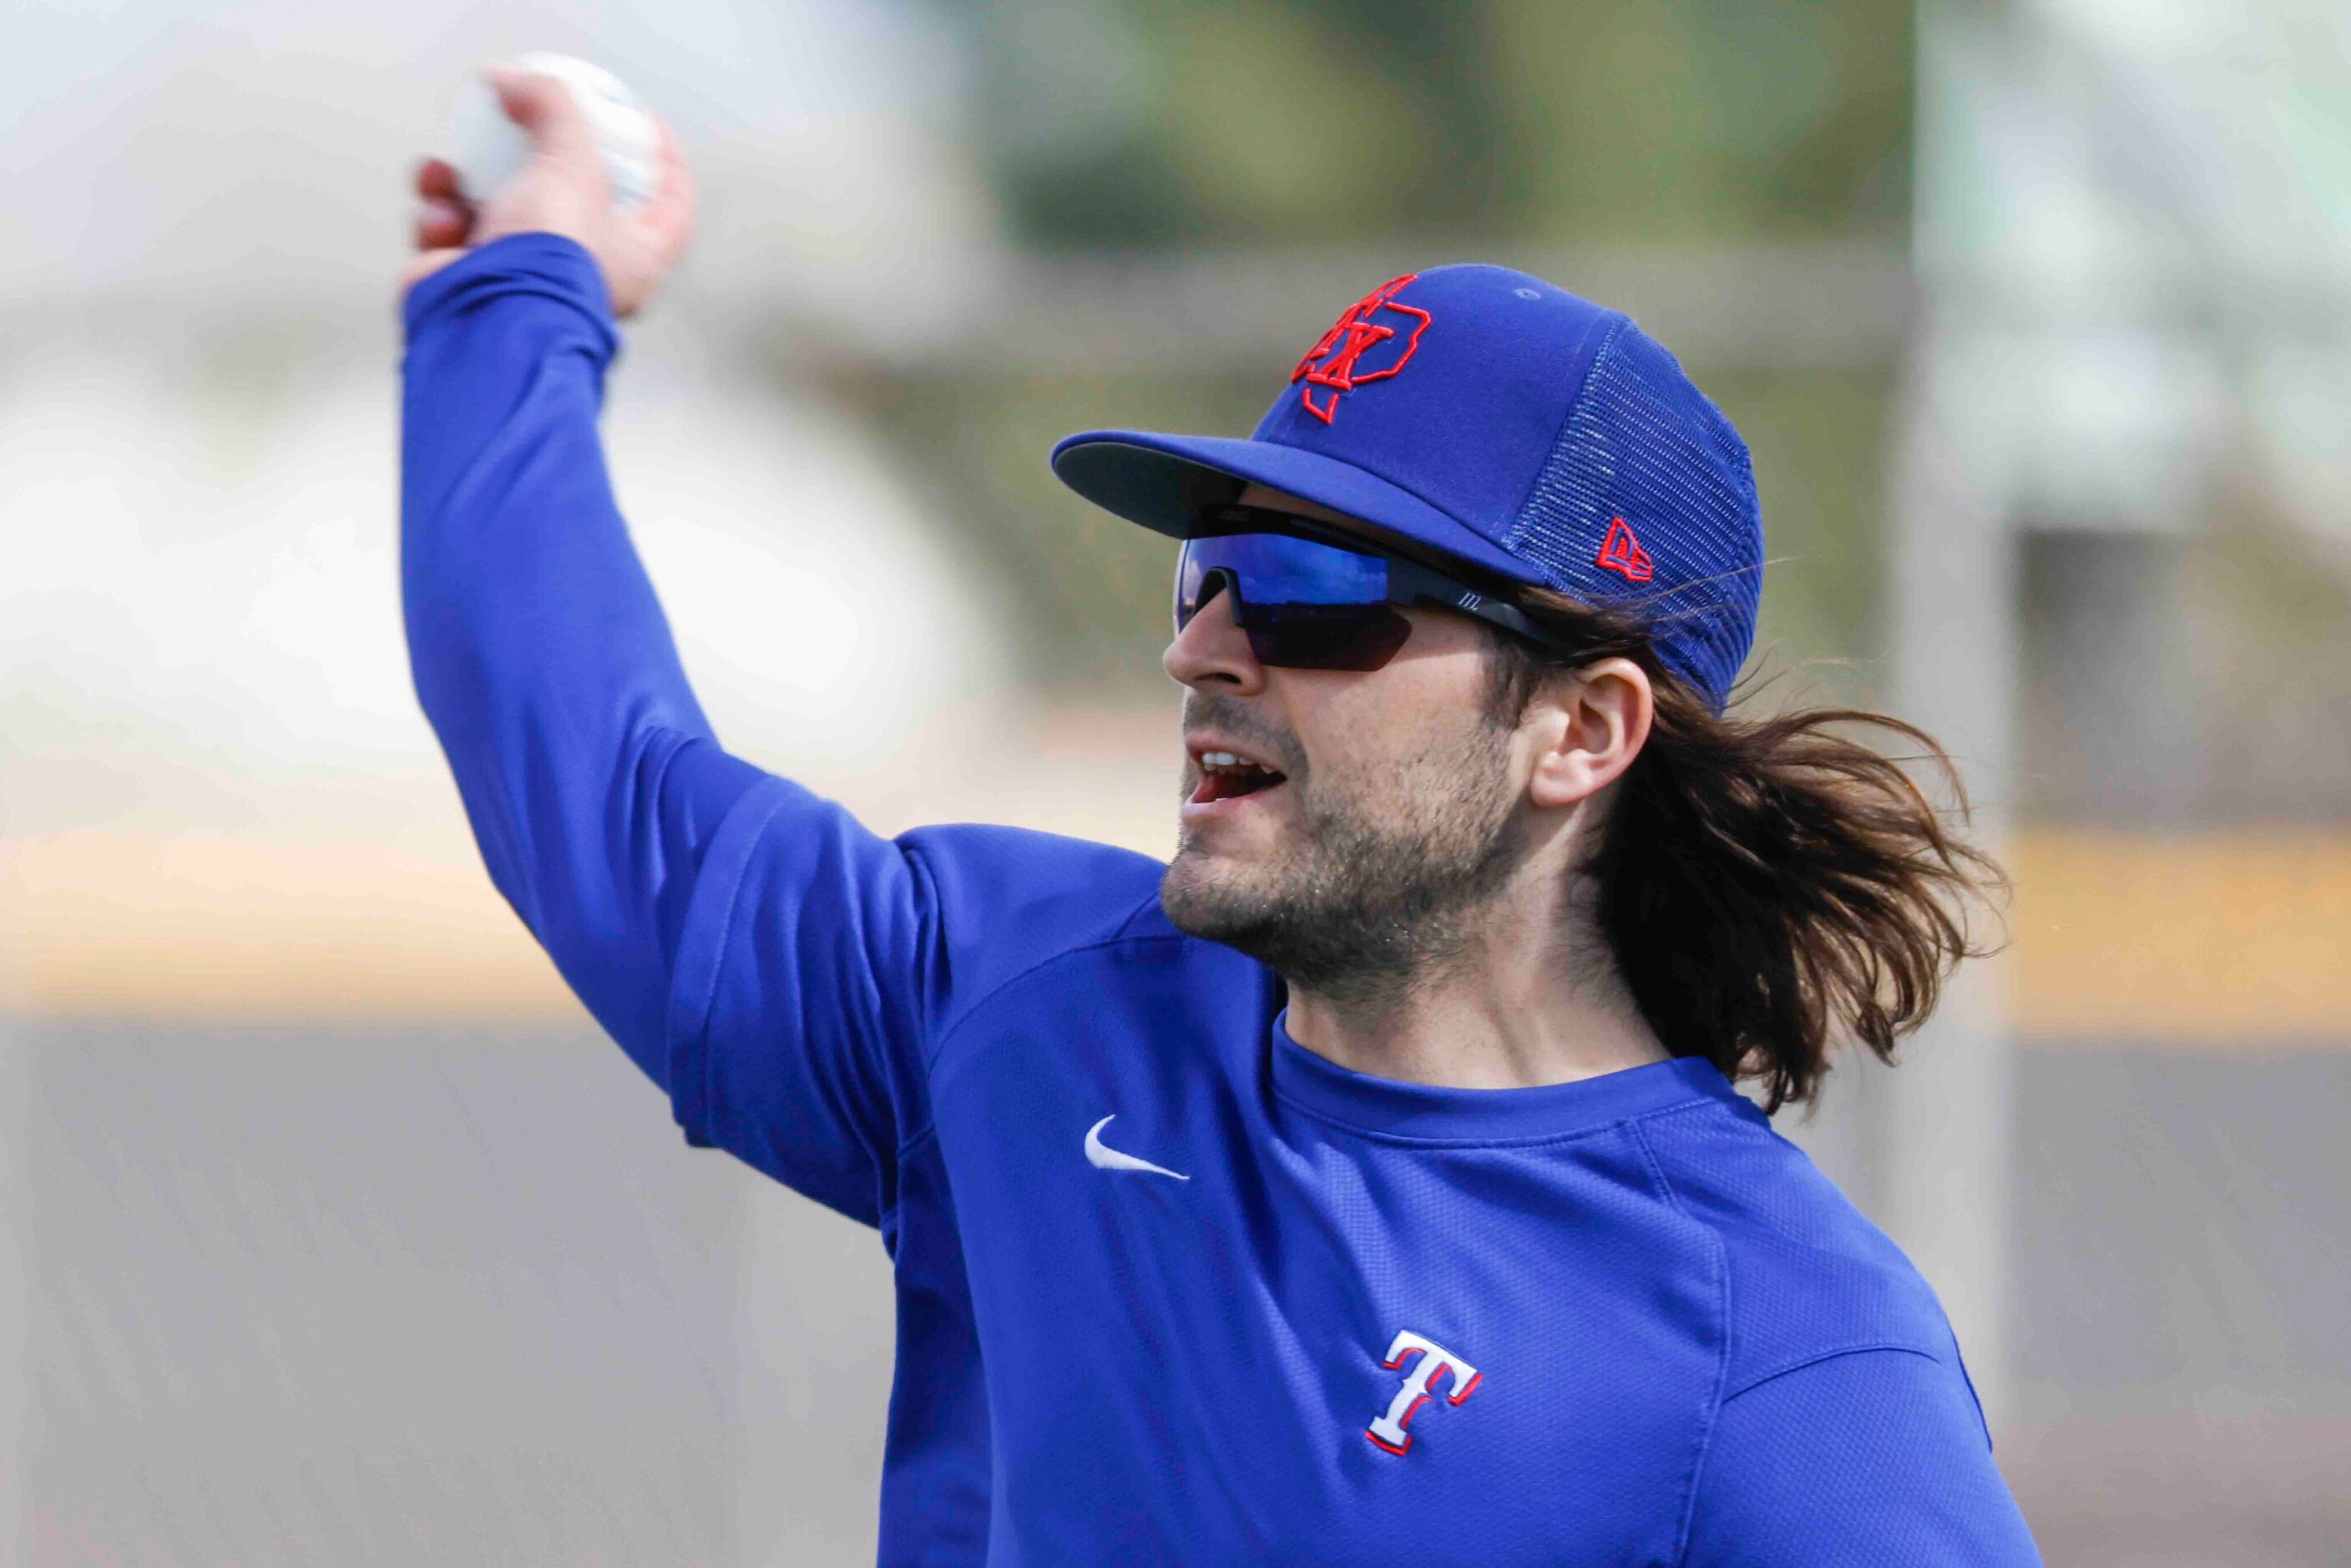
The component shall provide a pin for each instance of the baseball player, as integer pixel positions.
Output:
(1367, 1184)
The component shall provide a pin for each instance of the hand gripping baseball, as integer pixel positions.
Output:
(564, 189)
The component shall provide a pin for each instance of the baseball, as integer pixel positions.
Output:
(487, 150)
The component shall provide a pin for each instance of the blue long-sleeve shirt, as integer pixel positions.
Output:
(1170, 1287)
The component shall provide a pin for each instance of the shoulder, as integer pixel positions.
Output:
(1009, 899)
(940, 914)
(1058, 889)
(1807, 1276)
(1845, 1428)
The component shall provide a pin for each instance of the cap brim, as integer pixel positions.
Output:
(1162, 481)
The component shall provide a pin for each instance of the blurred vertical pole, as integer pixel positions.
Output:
(1939, 1126)
(1941, 1123)
(16, 1297)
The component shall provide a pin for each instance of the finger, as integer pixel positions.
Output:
(543, 107)
(669, 213)
(442, 223)
(436, 178)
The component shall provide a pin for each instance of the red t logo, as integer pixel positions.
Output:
(1335, 359)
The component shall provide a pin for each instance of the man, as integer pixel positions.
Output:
(1366, 1185)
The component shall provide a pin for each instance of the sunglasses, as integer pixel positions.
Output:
(1307, 602)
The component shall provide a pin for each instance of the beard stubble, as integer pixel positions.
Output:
(1373, 888)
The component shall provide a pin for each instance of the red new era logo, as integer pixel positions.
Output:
(1336, 360)
(1621, 553)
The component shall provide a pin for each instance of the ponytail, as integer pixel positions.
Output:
(1765, 884)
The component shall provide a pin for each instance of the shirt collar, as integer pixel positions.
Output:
(1393, 1108)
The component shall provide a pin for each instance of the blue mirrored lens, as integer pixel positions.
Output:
(1278, 570)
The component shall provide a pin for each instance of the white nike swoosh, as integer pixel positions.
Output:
(1110, 1159)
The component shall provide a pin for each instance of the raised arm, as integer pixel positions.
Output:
(781, 971)
(540, 653)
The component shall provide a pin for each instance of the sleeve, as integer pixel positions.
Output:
(777, 967)
(822, 967)
(1870, 1459)
(605, 809)
(540, 652)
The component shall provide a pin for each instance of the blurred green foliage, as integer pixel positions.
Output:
(1148, 123)
(1090, 593)
(1128, 125)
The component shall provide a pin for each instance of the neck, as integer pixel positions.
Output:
(1527, 996)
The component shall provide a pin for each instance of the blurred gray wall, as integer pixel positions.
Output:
(337, 1296)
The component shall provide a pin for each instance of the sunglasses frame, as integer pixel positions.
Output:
(1410, 583)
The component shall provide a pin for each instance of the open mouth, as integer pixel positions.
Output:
(1227, 776)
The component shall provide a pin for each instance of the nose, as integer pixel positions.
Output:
(1212, 652)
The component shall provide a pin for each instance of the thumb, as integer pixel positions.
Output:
(546, 109)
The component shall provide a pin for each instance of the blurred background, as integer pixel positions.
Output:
(329, 1229)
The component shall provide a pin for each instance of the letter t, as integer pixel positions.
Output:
(1388, 1431)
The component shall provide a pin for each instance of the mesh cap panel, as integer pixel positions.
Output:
(1642, 443)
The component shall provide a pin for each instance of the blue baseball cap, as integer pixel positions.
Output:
(1496, 420)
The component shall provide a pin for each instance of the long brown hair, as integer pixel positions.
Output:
(1765, 884)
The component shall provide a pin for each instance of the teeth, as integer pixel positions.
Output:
(1230, 762)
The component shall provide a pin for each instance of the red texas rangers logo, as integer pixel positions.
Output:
(1336, 361)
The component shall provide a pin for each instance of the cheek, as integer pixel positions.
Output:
(1370, 734)
(1342, 716)
(1356, 727)
(1399, 776)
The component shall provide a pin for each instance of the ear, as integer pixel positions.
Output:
(1589, 725)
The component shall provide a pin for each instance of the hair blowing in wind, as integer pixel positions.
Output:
(1769, 885)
